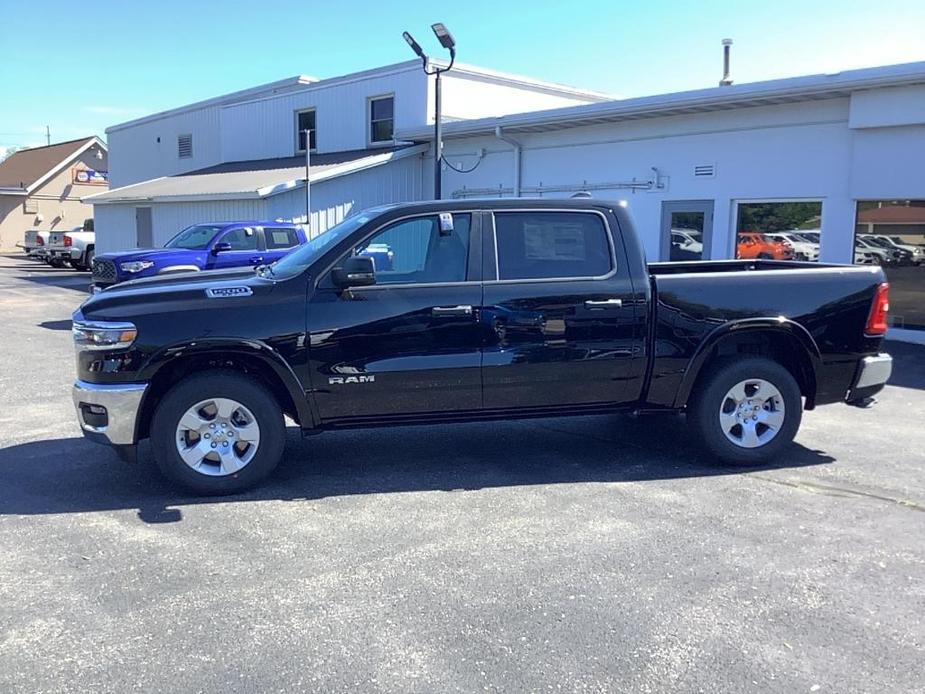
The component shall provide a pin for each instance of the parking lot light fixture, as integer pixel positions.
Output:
(446, 40)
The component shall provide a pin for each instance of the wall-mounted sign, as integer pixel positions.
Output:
(91, 177)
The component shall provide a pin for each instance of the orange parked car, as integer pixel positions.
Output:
(751, 245)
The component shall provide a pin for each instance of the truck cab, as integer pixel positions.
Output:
(211, 246)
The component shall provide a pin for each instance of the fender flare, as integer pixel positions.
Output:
(253, 349)
(777, 324)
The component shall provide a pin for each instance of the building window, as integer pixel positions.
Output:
(305, 120)
(185, 146)
(778, 230)
(891, 233)
(381, 119)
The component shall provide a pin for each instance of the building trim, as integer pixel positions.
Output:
(789, 90)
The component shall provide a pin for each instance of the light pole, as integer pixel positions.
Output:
(446, 40)
(308, 185)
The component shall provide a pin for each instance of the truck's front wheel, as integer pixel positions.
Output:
(746, 410)
(218, 433)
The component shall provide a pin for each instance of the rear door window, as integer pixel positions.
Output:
(551, 245)
(280, 238)
(241, 239)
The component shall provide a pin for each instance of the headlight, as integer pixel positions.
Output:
(136, 265)
(98, 335)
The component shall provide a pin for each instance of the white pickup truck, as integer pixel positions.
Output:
(74, 247)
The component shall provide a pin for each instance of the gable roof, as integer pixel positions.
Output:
(248, 180)
(24, 170)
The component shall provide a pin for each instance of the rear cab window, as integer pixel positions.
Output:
(277, 238)
(552, 245)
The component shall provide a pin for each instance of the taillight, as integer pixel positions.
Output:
(39, 241)
(67, 240)
(876, 321)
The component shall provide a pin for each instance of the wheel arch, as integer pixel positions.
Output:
(169, 365)
(780, 339)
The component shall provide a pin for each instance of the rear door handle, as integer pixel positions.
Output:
(451, 310)
(604, 303)
(257, 259)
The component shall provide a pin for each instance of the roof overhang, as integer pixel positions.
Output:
(21, 192)
(91, 142)
(791, 90)
(135, 193)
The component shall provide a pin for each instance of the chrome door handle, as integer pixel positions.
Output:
(604, 303)
(451, 310)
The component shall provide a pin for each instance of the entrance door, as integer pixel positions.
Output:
(144, 230)
(687, 230)
(409, 344)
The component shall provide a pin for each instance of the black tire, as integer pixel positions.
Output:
(86, 262)
(706, 403)
(218, 384)
(56, 262)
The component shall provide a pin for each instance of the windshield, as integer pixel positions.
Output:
(874, 241)
(303, 256)
(194, 238)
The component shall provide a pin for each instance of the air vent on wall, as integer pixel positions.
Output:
(184, 146)
(704, 170)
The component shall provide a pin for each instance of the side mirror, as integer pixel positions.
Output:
(357, 271)
(221, 247)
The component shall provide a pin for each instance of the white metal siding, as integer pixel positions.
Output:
(172, 217)
(336, 199)
(266, 129)
(136, 155)
(114, 226)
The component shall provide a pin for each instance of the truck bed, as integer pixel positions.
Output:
(705, 266)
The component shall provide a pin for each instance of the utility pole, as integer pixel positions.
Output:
(47, 135)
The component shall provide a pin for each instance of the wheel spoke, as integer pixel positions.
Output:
(738, 392)
(191, 421)
(727, 421)
(750, 435)
(193, 455)
(772, 419)
(230, 462)
(249, 433)
(225, 407)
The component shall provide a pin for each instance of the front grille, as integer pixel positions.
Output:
(103, 269)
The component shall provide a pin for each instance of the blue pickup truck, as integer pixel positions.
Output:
(213, 246)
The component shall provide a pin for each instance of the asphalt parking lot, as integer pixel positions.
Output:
(594, 554)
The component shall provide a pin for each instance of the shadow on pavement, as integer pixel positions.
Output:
(908, 364)
(74, 475)
(56, 324)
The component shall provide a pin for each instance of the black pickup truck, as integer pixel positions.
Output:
(470, 310)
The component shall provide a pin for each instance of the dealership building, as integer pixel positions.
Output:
(837, 157)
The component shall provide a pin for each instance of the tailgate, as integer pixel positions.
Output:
(56, 238)
(30, 238)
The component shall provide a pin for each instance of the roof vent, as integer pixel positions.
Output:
(727, 80)
(705, 170)
(184, 146)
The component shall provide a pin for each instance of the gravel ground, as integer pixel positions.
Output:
(604, 553)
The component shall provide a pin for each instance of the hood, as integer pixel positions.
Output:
(154, 254)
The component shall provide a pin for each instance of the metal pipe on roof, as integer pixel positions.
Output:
(517, 158)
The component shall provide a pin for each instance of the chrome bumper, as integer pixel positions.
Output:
(121, 402)
(874, 371)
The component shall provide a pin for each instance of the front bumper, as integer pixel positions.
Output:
(872, 375)
(109, 413)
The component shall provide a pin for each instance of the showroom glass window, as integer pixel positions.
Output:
(891, 233)
(778, 230)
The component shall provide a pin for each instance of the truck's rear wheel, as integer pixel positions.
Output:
(218, 433)
(746, 410)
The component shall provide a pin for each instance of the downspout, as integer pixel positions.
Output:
(517, 150)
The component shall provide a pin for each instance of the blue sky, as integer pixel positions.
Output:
(80, 67)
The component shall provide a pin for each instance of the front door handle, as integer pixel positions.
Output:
(604, 303)
(451, 310)
(256, 260)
